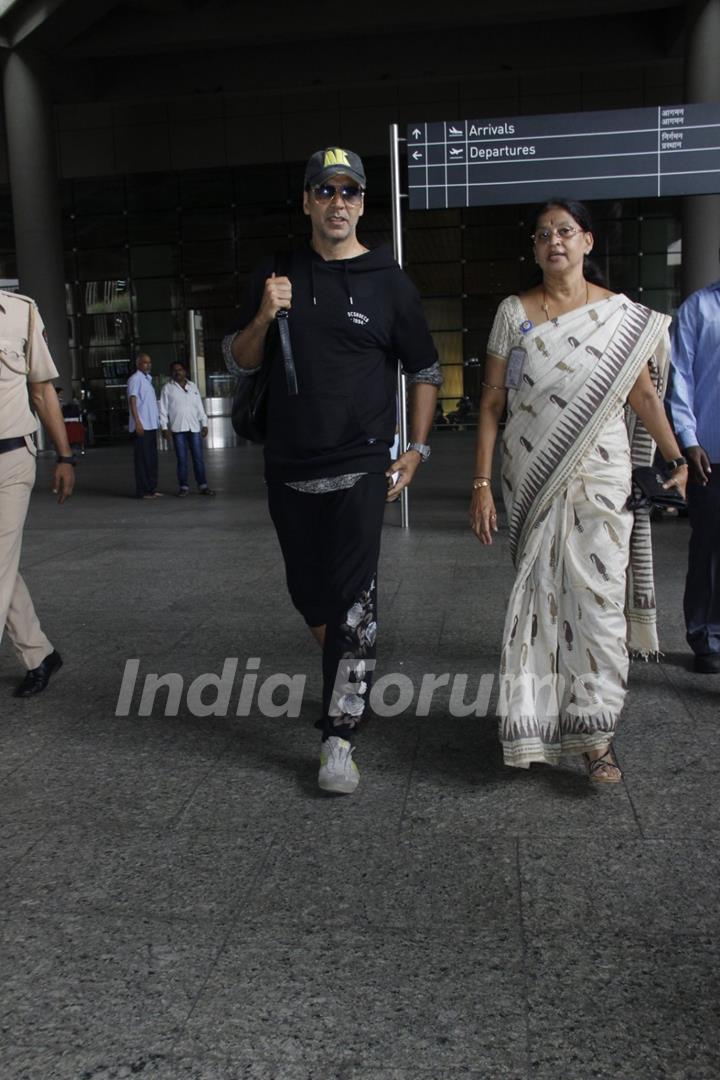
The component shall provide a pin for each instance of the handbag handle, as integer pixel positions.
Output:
(287, 353)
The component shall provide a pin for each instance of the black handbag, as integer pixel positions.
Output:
(648, 490)
(249, 411)
(248, 414)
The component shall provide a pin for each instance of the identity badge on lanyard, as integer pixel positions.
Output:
(516, 360)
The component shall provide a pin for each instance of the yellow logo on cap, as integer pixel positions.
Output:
(335, 157)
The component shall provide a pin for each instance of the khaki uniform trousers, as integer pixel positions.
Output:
(17, 614)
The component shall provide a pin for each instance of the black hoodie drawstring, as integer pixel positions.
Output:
(347, 282)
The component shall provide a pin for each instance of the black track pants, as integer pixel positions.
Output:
(331, 545)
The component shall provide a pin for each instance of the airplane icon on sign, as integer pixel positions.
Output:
(456, 151)
(454, 131)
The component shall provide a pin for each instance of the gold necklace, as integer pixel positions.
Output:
(544, 305)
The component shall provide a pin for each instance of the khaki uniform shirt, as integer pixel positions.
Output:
(24, 357)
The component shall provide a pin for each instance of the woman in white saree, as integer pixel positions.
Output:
(564, 359)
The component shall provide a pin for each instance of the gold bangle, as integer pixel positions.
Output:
(482, 482)
(489, 386)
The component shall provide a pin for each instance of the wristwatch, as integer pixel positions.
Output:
(676, 463)
(422, 449)
(72, 460)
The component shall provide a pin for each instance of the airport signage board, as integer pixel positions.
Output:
(621, 153)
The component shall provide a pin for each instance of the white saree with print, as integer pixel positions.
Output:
(583, 595)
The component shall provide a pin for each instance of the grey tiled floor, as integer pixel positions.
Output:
(178, 901)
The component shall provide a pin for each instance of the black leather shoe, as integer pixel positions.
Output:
(37, 679)
(707, 663)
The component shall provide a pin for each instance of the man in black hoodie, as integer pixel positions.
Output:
(353, 313)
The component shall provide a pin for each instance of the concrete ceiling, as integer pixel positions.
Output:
(96, 29)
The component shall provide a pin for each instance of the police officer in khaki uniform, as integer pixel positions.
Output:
(26, 364)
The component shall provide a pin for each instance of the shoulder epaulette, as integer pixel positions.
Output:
(17, 296)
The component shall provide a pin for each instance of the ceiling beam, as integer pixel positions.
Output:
(53, 25)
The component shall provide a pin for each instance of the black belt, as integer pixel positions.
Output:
(12, 444)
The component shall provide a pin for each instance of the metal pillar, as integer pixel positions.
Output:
(398, 252)
(36, 201)
(701, 213)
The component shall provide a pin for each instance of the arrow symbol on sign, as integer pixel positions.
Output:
(417, 133)
(417, 155)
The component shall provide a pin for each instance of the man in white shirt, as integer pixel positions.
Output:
(183, 415)
(143, 424)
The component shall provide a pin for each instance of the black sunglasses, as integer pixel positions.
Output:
(349, 193)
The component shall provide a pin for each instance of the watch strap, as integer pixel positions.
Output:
(422, 449)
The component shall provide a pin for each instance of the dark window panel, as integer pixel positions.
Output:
(264, 185)
(439, 279)
(623, 273)
(479, 310)
(162, 326)
(215, 257)
(153, 191)
(510, 216)
(207, 224)
(432, 219)
(156, 294)
(656, 274)
(206, 187)
(475, 343)
(211, 291)
(433, 245)
(95, 355)
(372, 239)
(67, 196)
(494, 241)
(214, 362)
(252, 250)
(666, 300)
(501, 275)
(103, 330)
(154, 260)
(657, 234)
(153, 227)
(217, 322)
(100, 196)
(265, 221)
(109, 263)
(100, 232)
(620, 237)
(377, 218)
(8, 264)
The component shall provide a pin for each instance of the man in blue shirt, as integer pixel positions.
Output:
(143, 424)
(694, 400)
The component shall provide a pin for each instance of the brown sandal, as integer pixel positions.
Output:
(604, 761)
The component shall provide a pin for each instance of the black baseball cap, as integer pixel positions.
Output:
(334, 161)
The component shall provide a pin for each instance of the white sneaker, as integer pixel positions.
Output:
(338, 771)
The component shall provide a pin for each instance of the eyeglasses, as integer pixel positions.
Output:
(349, 193)
(564, 232)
